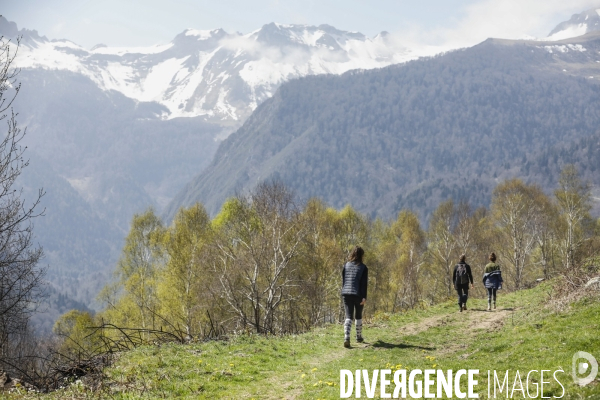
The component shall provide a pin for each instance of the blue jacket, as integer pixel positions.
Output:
(492, 278)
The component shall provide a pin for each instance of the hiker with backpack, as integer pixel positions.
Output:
(355, 278)
(461, 277)
(492, 280)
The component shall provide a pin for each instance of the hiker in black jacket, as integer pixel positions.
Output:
(355, 278)
(461, 277)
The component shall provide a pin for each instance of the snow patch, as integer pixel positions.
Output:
(225, 108)
(120, 51)
(160, 77)
(200, 34)
(46, 55)
(83, 186)
(185, 86)
(570, 32)
(564, 48)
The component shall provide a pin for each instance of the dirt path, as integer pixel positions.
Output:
(489, 320)
(425, 324)
(477, 319)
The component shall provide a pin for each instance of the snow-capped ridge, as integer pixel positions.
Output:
(579, 24)
(212, 73)
(204, 34)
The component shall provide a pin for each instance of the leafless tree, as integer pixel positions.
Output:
(574, 203)
(256, 256)
(516, 207)
(20, 275)
(442, 241)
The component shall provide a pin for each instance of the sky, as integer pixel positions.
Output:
(455, 23)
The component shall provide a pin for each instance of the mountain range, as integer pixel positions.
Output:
(219, 76)
(112, 131)
(412, 135)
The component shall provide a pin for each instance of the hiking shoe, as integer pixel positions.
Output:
(360, 339)
(465, 306)
(494, 305)
(347, 344)
(489, 307)
(461, 308)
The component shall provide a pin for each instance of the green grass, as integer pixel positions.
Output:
(520, 335)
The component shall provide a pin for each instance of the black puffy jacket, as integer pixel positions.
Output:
(355, 278)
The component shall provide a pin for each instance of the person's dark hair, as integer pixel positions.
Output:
(493, 257)
(356, 255)
(463, 258)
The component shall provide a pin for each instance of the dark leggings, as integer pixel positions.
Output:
(353, 307)
(463, 293)
(491, 293)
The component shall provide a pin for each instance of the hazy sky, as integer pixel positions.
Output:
(147, 22)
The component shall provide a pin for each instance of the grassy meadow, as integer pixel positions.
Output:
(521, 334)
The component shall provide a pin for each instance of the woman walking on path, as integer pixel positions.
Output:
(492, 280)
(461, 277)
(355, 278)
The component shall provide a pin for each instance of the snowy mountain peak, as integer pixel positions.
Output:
(219, 76)
(204, 34)
(275, 34)
(579, 24)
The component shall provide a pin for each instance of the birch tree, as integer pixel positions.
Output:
(574, 201)
(442, 242)
(132, 299)
(187, 267)
(514, 210)
(257, 249)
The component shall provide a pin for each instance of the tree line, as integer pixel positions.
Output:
(270, 264)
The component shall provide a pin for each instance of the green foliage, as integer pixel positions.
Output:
(231, 207)
(269, 265)
(77, 337)
(181, 285)
(132, 299)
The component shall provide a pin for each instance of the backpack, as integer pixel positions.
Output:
(461, 274)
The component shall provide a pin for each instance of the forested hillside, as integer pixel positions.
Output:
(100, 157)
(412, 135)
(116, 152)
(79, 246)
